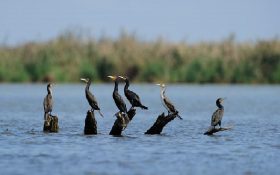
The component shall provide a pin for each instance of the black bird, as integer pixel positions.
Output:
(166, 102)
(48, 101)
(132, 97)
(218, 114)
(116, 96)
(90, 97)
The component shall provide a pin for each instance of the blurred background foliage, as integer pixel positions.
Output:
(71, 56)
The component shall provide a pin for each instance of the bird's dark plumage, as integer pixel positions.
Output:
(117, 97)
(132, 97)
(90, 97)
(48, 101)
(170, 106)
(218, 114)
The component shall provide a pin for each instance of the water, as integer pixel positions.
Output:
(252, 147)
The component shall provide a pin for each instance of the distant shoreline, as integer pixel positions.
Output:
(69, 56)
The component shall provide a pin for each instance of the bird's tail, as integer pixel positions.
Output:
(144, 107)
(100, 113)
(177, 115)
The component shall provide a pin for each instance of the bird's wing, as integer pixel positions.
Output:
(169, 105)
(132, 96)
(119, 102)
(48, 103)
(51, 102)
(92, 100)
(217, 117)
(45, 103)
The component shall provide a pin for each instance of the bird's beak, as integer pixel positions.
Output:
(223, 99)
(161, 85)
(83, 79)
(122, 77)
(112, 77)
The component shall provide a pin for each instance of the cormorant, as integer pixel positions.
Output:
(218, 114)
(48, 102)
(132, 97)
(166, 102)
(116, 96)
(90, 97)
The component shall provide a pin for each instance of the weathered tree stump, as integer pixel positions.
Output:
(51, 123)
(90, 124)
(122, 121)
(160, 123)
(213, 130)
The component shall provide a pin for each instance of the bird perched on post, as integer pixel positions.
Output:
(117, 97)
(90, 97)
(48, 101)
(218, 114)
(132, 97)
(166, 102)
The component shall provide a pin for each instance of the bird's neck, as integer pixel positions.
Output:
(162, 93)
(88, 85)
(220, 106)
(126, 85)
(116, 86)
(49, 91)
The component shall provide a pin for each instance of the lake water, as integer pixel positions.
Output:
(251, 147)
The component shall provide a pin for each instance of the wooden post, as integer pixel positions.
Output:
(51, 123)
(90, 124)
(213, 130)
(122, 121)
(160, 123)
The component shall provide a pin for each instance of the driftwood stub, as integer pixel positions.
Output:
(213, 130)
(160, 123)
(90, 124)
(51, 123)
(122, 121)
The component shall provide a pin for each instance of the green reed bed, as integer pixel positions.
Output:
(69, 57)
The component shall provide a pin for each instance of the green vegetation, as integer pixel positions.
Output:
(69, 57)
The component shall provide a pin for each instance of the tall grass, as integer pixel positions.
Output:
(69, 57)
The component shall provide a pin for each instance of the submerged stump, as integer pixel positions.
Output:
(51, 123)
(213, 130)
(122, 121)
(90, 124)
(160, 123)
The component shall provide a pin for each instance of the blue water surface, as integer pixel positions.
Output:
(251, 147)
